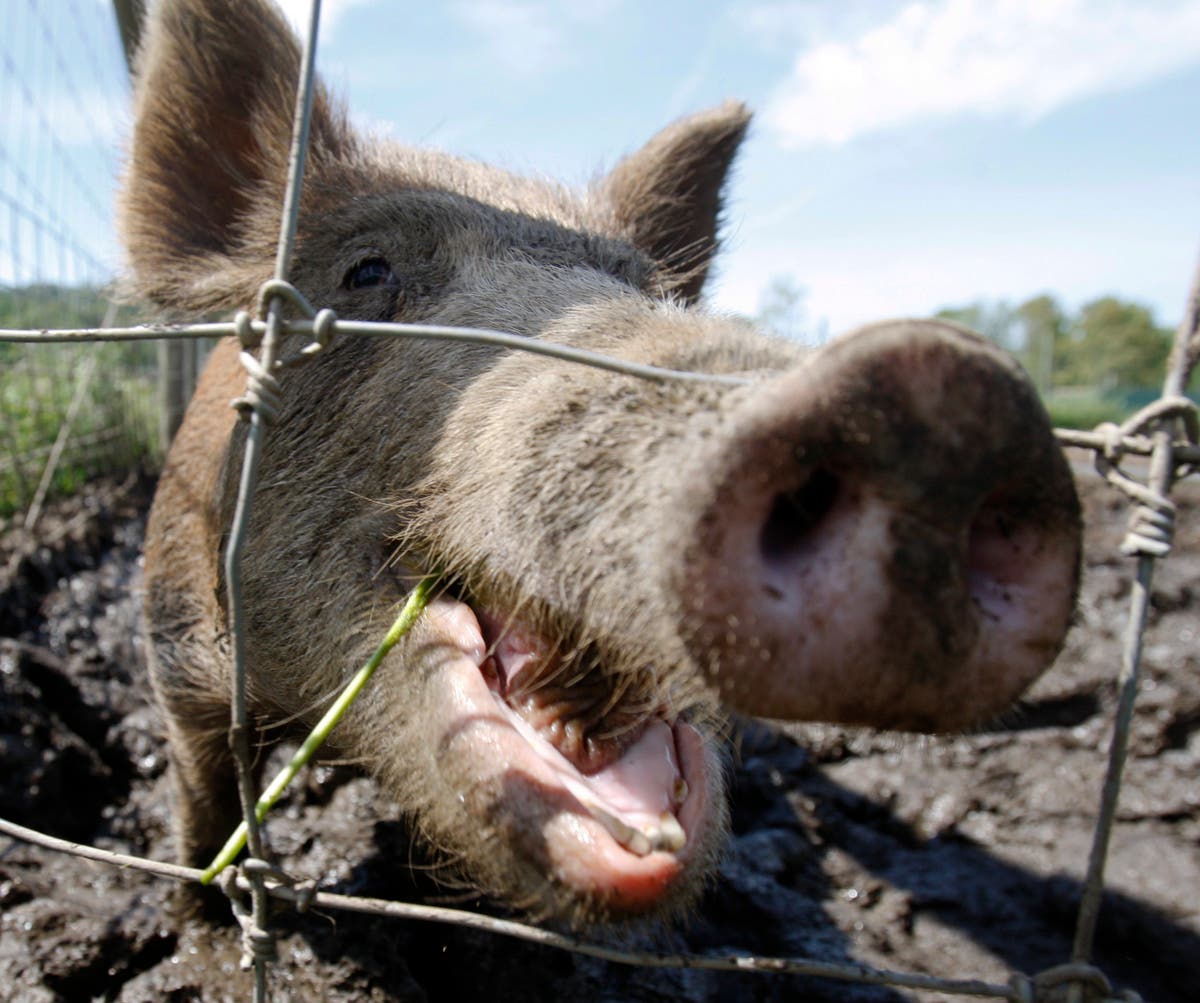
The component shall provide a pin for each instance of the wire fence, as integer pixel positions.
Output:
(61, 90)
(1167, 431)
(64, 417)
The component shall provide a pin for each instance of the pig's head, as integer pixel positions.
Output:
(882, 531)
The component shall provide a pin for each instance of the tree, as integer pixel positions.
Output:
(782, 310)
(1117, 344)
(1045, 343)
(995, 320)
(1110, 344)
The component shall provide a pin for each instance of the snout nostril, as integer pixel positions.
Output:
(997, 543)
(796, 514)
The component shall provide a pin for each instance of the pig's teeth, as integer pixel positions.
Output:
(633, 839)
(668, 835)
(679, 792)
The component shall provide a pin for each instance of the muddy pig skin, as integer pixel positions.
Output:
(882, 531)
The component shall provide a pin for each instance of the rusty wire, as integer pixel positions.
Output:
(1149, 433)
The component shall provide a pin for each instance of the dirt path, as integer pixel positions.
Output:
(957, 857)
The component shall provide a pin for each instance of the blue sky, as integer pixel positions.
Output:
(905, 156)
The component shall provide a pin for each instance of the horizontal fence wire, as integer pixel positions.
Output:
(1185, 452)
(253, 330)
(279, 888)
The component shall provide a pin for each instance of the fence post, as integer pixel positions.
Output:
(174, 386)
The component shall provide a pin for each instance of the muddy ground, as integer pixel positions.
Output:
(959, 857)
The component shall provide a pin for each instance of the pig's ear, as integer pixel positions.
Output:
(668, 195)
(216, 83)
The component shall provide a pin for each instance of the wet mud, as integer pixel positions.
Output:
(960, 857)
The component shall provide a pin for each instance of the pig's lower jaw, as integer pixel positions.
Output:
(617, 839)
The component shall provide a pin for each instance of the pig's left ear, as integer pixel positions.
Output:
(204, 185)
(668, 195)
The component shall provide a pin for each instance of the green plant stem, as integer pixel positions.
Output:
(418, 599)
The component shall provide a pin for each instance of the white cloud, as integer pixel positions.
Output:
(1019, 58)
(530, 37)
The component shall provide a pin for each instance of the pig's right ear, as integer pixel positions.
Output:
(202, 193)
(668, 195)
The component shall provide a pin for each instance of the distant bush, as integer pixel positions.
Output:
(1087, 407)
(1084, 408)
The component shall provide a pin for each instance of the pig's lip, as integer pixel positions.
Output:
(621, 833)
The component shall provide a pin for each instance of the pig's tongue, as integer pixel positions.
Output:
(636, 798)
(634, 795)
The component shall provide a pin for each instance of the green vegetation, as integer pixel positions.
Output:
(44, 305)
(1102, 363)
(115, 424)
(1084, 408)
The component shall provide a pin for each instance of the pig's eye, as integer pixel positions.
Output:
(369, 273)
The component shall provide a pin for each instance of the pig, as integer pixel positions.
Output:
(882, 531)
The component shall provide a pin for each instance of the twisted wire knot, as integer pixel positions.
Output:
(1052, 985)
(1152, 523)
(1151, 529)
(243, 326)
(304, 891)
(281, 289)
(324, 322)
(263, 394)
(1114, 441)
(258, 945)
(324, 328)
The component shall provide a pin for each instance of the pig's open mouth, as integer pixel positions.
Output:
(625, 794)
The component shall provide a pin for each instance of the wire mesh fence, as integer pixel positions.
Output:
(42, 389)
(61, 90)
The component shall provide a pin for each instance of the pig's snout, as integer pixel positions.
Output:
(892, 536)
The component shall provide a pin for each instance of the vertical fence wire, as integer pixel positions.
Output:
(1161, 476)
(239, 734)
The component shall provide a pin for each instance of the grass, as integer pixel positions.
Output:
(115, 426)
(1086, 407)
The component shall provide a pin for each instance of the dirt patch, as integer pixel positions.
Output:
(958, 857)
